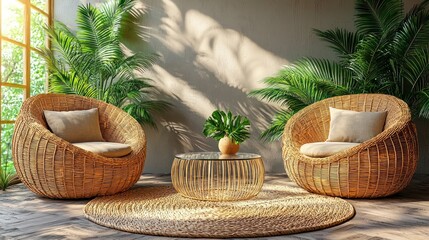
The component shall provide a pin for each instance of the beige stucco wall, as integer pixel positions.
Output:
(213, 52)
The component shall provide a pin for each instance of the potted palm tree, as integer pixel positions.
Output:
(228, 129)
(91, 61)
(388, 53)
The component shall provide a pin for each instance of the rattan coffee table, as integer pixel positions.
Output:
(214, 177)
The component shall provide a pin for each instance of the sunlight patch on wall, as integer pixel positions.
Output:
(171, 27)
(180, 89)
(232, 57)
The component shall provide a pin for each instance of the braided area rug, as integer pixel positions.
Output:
(277, 210)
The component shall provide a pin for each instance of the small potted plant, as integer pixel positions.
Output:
(229, 130)
(7, 174)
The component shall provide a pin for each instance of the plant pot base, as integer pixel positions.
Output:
(227, 146)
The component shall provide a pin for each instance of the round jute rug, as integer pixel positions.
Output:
(277, 210)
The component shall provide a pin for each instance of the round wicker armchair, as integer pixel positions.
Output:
(52, 167)
(378, 167)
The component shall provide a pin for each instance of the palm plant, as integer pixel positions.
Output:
(388, 53)
(92, 62)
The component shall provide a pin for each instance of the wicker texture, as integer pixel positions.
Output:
(277, 210)
(225, 179)
(54, 168)
(379, 167)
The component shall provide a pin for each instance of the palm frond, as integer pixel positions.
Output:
(275, 130)
(307, 81)
(378, 17)
(388, 53)
(142, 110)
(370, 63)
(70, 83)
(109, 53)
(325, 70)
(68, 51)
(414, 70)
(422, 103)
(342, 41)
(412, 34)
(139, 113)
(93, 63)
(282, 96)
(140, 61)
(117, 92)
(124, 68)
(116, 12)
(65, 43)
(92, 30)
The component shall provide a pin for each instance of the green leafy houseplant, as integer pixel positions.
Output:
(388, 53)
(92, 62)
(228, 129)
(7, 175)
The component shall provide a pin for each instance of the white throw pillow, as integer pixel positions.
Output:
(352, 126)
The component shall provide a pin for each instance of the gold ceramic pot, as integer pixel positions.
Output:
(227, 146)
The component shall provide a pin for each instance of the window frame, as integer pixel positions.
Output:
(27, 50)
(26, 45)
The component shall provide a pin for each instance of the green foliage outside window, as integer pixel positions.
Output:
(13, 71)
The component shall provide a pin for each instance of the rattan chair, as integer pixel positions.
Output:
(379, 167)
(52, 167)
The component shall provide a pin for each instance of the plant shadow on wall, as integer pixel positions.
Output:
(178, 132)
(388, 53)
(94, 63)
(206, 67)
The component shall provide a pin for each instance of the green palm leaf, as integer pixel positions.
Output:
(276, 128)
(370, 63)
(92, 62)
(412, 34)
(92, 28)
(325, 70)
(415, 69)
(70, 83)
(378, 17)
(342, 41)
(422, 103)
(388, 53)
(115, 13)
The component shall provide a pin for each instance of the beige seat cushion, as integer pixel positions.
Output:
(106, 149)
(325, 149)
(75, 126)
(351, 126)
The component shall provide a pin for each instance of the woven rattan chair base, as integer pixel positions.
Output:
(277, 210)
(379, 167)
